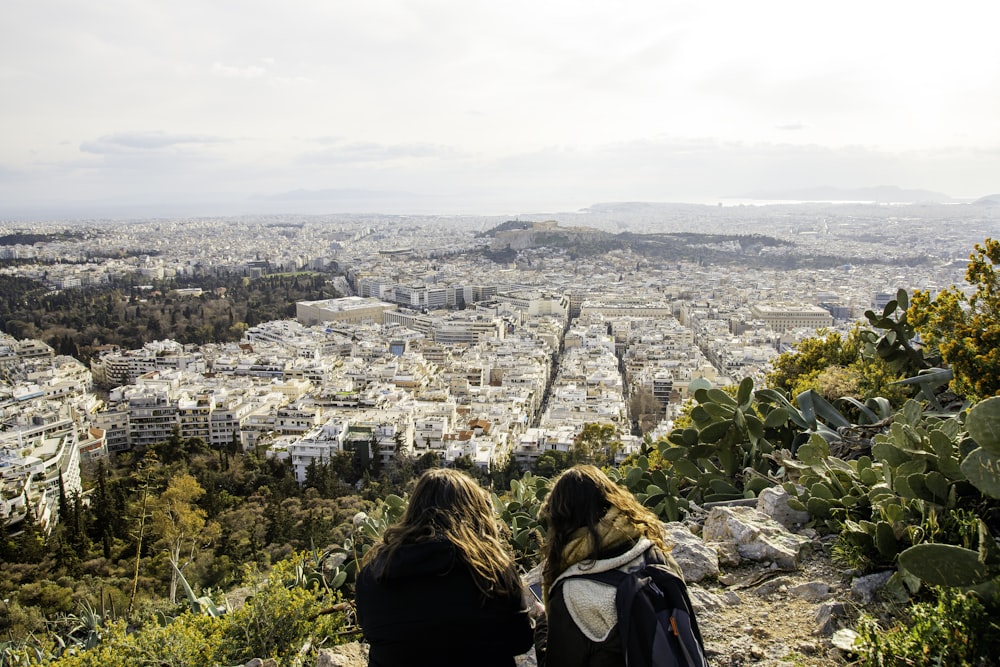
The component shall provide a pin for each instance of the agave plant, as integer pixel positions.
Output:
(200, 604)
(368, 529)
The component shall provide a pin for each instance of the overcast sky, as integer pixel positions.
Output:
(494, 107)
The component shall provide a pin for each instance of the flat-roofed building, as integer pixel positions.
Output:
(453, 328)
(534, 303)
(785, 316)
(354, 309)
(194, 416)
(37, 461)
(625, 307)
(152, 418)
(114, 423)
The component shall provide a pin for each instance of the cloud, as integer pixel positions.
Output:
(790, 127)
(8, 174)
(142, 141)
(183, 167)
(229, 71)
(371, 152)
(707, 169)
(290, 81)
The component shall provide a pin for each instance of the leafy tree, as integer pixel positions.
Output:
(427, 461)
(966, 329)
(7, 546)
(180, 524)
(596, 443)
(315, 475)
(242, 538)
(551, 462)
(501, 476)
(278, 523)
(644, 409)
(102, 508)
(797, 370)
(468, 466)
(835, 366)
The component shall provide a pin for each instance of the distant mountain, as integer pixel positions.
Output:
(988, 200)
(337, 194)
(881, 194)
(507, 226)
(637, 207)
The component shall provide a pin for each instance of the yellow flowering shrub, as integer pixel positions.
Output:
(966, 329)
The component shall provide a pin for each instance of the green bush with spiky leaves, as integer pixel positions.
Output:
(279, 619)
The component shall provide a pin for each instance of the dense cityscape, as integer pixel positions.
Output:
(250, 384)
(485, 339)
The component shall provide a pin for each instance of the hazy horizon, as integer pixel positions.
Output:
(480, 109)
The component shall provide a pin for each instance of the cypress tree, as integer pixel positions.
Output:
(31, 542)
(6, 545)
(64, 510)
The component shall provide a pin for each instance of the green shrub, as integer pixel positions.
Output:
(953, 631)
(276, 621)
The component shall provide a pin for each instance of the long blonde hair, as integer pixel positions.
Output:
(580, 497)
(448, 504)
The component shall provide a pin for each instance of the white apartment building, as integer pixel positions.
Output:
(117, 368)
(364, 433)
(625, 307)
(152, 417)
(451, 328)
(33, 462)
(536, 303)
(93, 444)
(226, 420)
(114, 423)
(321, 444)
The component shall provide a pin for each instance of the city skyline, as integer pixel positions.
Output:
(460, 108)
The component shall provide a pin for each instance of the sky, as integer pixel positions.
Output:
(462, 106)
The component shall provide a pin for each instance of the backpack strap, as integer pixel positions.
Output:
(609, 577)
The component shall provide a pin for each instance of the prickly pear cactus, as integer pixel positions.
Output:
(982, 465)
(657, 489)
(943, 564)
(952, 565)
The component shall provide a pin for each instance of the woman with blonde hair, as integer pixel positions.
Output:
(593, 525)
(441, 587)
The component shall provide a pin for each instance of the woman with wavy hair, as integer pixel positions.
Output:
(593, 525)
(441, 587)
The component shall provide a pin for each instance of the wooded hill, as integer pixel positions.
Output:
(77, 321)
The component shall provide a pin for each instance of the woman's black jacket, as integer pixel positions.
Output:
(427, 610)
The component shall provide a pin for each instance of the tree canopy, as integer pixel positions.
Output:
(965, 329)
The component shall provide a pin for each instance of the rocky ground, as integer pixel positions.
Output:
(759, 615)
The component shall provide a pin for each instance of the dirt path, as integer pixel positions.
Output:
(769, 618)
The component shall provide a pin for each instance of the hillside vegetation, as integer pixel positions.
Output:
(748, 250)
(77, 321)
